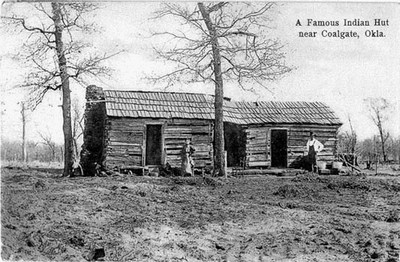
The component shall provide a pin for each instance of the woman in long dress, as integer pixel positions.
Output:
(187, 160)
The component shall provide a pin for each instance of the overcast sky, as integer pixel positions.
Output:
(339, 72)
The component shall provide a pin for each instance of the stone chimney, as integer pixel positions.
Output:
(94, 93)
(92, 154)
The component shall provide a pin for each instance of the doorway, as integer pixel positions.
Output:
(278, 148)
(153, 144)
(235, 144)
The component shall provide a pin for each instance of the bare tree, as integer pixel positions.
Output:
(367, 150)
(220, 42)
(348, 139)
(379, 109)
(55, 57)
(48, 141)
(24, 119)
(32, 150)
(3, 151)
(393, 149)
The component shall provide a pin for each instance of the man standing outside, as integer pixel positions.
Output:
(313, 147)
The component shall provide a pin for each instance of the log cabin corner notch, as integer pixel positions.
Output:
(142, 128)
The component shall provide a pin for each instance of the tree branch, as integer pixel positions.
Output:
(217, 7)
(22, 22)
(250, 58)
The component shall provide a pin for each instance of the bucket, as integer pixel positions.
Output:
(337, 165)
(321, 165)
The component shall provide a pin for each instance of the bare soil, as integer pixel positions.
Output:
(302, 217)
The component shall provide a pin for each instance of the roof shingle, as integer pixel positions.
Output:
(200, 106)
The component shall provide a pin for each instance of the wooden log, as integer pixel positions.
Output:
(177, 136)
(201, 139)
(301, 147)
(133, 160)
(251, 138)
(349, 164)
(114, 151)
(173, 141)
(124, 121)
(126, 139)
(304, 139)
(325, 152)
(259, 163)
(195, 154)
(257, 144)
(183, 129)
(120, 145)
(173, 151)
(201, 155)
(125, 132)
(326, 132)
(258, 151)
(257, 129)
(195, 122)
(127, 124)
(202, 147)
(173, 146)
(257, 158)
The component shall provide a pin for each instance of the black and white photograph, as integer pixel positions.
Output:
(200, 131)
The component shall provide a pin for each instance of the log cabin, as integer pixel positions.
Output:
(128, 129)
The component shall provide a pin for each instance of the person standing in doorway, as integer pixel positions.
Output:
(313, 147)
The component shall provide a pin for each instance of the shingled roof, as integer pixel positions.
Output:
(143, 104)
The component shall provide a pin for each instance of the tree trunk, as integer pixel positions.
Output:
(61, 154)
(66, 92)
(74, 139)
(379, 124)
(219, 157)
(382, 144)
(23, 113)
(76, 151)
(53, 153)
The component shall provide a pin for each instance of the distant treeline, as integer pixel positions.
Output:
(35, 151)
(369, 149)
(366, 150)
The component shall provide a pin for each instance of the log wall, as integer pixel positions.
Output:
(199, 131)
(258, 143)
(126, 141)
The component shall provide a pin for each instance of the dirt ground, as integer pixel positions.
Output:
(301, 217)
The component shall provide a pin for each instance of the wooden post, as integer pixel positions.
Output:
(225, 164)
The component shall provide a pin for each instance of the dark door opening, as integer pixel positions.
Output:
(235, 144)
(279, 148)
(153, 145)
